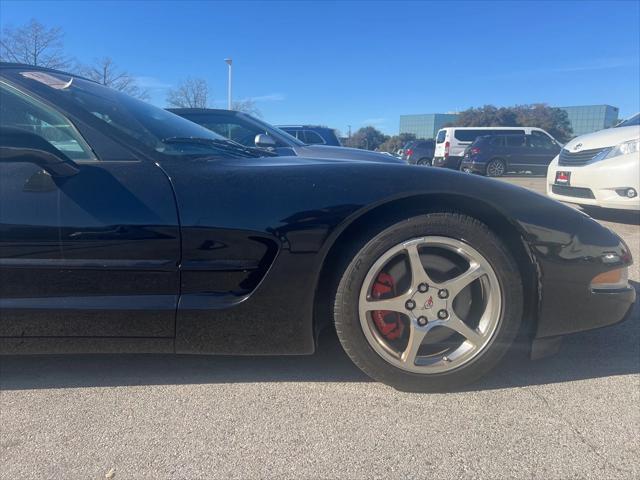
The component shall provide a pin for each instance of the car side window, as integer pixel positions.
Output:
(540, 140)
(312, 138)
(497, 141)
(18, 110)
(227, 127)
(514, 140)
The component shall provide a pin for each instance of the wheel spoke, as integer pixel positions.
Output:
(418, 273)
(472, 335)
(395, 304)
(413, 345)
(457, 284)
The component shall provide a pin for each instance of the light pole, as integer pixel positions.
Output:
(229, 62)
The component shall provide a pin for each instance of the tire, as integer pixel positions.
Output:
(496, 168)
(424, 161)
(429, 372)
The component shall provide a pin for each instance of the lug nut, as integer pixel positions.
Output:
(410, 304)
(444, 293)
(422, 321)
(423, 287)
(442, 314)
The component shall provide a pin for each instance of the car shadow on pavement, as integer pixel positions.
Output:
(606, 352)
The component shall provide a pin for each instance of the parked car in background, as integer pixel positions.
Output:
(419, 152)
(451, 142)
(312, 134)
(600, 169)
(252, 132)
(495, 155)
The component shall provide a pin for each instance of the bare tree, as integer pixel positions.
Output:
(34, 44)
(106, 72)
(190, 93)
(247, 106)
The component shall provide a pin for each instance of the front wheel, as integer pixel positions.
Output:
(424, 161)
(430, 303)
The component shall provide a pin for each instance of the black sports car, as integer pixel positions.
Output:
(126, 228)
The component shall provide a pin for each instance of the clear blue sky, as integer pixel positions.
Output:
(361, 63)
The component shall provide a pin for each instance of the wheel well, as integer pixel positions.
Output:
(349, 242)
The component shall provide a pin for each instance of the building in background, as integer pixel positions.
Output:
(426, 125)
(591, 118)
(583, 119)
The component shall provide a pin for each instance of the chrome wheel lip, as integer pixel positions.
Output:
(462, 355)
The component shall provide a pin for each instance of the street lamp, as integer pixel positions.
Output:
(229, 61)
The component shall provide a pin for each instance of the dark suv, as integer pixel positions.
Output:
(495, 155)
(419, 152)
(312, 134)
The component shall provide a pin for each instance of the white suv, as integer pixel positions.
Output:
(599, 169)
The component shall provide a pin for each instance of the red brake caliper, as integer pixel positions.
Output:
(389, 324)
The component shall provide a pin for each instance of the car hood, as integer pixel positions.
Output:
(603, 138)
(326, 151)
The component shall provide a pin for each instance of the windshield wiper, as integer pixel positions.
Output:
(227, 146)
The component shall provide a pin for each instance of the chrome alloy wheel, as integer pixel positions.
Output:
(448, 298)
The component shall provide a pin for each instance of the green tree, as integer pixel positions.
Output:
(396, 142)
(367, 138)
(487, 116)
(555, 121)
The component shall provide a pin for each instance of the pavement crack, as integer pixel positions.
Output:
(583, 439)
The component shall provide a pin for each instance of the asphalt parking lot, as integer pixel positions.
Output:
(574, 415)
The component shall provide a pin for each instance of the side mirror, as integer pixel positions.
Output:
(18, 145)
(264, 141)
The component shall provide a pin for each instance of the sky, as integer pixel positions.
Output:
(366, 62)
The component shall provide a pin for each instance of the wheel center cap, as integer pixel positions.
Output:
(428, 304)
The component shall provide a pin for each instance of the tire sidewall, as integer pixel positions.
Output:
(451, 225)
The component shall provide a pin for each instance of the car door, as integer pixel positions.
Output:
(516, 150)
(92, 254)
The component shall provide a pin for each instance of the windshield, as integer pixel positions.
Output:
(145, 123)
(631, 122)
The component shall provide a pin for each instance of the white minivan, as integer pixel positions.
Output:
(451, 142)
